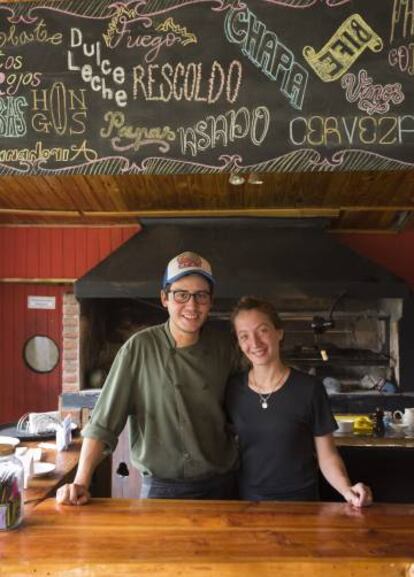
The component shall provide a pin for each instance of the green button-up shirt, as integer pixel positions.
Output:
(174, 400)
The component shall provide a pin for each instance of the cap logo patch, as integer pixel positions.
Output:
(188, 261)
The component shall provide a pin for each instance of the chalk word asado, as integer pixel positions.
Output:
(263, 48)
(352, 131)
(191, 81)
(225, 129)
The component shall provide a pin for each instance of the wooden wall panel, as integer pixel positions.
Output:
(68, 253)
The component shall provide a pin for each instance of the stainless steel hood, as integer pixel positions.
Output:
(273, 258)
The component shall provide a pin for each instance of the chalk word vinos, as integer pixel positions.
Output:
(352, 131)
(224, 129)
(372, 98)
(190, 81)
(125, 137)
(340, 52)
(264, 49)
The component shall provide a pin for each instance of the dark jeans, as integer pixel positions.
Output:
(215, 487)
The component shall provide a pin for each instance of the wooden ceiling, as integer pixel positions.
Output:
(353, 201)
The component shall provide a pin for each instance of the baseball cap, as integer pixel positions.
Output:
(184, 264)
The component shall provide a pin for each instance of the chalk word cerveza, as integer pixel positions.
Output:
(98, 81)
(371, 98)
(264, 49)
(59, 110)
(12, 121)
(341, 51)
(191, 81)
(125, 137)
(224, 129)
(351, 131)
(403, 58)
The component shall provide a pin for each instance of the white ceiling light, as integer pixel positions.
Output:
(236, 179)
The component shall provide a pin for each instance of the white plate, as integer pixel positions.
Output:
(41, 468)
(9, 441)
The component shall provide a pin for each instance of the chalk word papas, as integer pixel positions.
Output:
(190, 81)
(371, 98)
(402, 20)
(352, 131)
(20, 37)
(403, 58)
(59, 110)
(12, 121)
(225, 129)
(125, 137)
(77, 152)
(341, 51)
(262, 47)
(106, 72)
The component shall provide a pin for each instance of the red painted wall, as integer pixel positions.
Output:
(40, 253)
(394, 251)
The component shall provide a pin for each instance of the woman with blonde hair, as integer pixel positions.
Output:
(282, 418)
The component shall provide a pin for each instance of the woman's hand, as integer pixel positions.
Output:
(72, 494)
(359, 495)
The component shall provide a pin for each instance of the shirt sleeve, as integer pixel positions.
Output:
(322, 417)
(113, 406)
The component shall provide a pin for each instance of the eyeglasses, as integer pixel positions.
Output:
(200, 297)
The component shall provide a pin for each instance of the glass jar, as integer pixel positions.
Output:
(11, 489)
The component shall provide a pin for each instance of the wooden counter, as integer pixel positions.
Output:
(42, 487)
(344, 440)
(155, 538)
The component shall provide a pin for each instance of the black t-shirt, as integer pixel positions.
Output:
(277, 444)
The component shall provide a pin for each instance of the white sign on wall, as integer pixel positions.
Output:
(36, 302)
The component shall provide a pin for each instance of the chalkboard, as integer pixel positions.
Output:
(205, 86)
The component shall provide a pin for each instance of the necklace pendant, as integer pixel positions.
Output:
(264, 404)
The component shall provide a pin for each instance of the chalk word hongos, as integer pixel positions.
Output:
(264, 49)
(372, 98)
(340, 52)
(193, 81)
(99, 81)
(225, 129)
(124, 137)
(351, 131)
(59, 110)
(12, 120)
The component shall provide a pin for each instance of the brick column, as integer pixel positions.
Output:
(71, 375)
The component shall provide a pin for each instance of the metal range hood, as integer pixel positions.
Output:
(272, 258)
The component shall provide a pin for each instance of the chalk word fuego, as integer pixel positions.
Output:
(264, 49)
(372, 98)
(345, 46)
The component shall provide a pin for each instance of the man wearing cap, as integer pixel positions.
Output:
(169, 380)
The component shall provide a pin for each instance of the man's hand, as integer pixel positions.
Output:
(359, 495)
(72, 494)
